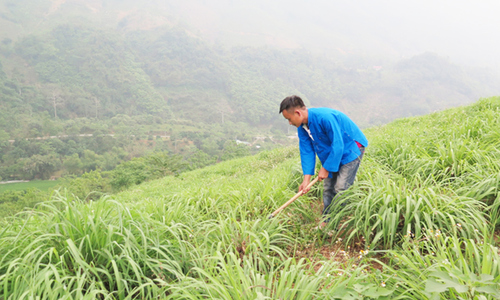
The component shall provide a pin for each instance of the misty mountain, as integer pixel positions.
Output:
(97, 59)
(465, 31)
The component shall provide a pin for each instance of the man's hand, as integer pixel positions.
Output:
(304, 184)
(323, 173)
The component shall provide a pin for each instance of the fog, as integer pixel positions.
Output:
(468, 32)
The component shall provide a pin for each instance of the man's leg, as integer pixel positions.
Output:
(328, 192)
(340, 182)
(328, 195)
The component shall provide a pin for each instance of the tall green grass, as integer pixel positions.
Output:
(419, 223)
(435, 172)
(444, 267)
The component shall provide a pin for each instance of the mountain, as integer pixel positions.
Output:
(97, 59)
(389, 28)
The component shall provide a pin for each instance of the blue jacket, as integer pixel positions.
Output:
(333, 140)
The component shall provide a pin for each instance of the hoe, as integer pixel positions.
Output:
(293, 199)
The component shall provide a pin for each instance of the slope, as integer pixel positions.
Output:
(418, 223)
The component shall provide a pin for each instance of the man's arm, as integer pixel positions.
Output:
(307, 158)
(323, 173)
(307, 153)
(304, 184)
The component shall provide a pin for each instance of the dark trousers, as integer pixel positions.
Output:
(340, 181)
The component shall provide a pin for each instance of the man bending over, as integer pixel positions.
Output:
(338, 142)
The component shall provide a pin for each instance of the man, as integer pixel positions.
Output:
(338, 142)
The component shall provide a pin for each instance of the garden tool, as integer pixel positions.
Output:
(293, 198)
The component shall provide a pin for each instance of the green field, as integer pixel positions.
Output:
(420, 222)
(43, 185)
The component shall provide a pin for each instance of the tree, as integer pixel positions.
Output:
(90, 160)
(41, 166)
(164, 164)
(210, 146)
(90, 186)
(232, 150)
(73, 164)
(56, 100)
(4, 138)
(97, 104)
(200, 159)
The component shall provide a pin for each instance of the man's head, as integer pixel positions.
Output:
(294, 110)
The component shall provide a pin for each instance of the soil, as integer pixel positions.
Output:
(331, 249)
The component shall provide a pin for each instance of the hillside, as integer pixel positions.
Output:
(110, 93)
(89, 85)
(77, 71)
(98, 59)
(419, 223)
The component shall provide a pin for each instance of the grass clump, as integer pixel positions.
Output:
(419, 223)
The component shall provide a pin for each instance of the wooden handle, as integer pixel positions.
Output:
(293, 198)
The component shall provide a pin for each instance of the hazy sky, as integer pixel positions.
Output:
(466, 31)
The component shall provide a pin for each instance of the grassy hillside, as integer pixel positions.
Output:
(419, 223)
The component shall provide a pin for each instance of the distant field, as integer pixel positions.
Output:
(20, 186)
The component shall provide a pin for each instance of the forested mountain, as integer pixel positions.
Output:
(76, 71)
(140, 80)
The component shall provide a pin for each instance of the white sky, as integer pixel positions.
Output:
(466, 31)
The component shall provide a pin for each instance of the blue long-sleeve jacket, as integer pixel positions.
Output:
(333, 140)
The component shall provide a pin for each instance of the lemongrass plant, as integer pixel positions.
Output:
(101, 248)
(443, 266)
(231, 277)
(383, 209)
(206, 234)
(431, 172)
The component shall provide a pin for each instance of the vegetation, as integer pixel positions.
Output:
(21, 186)
(95, 183)
(127, 116)
(66, 155)
(76, 98)
(419, 223)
